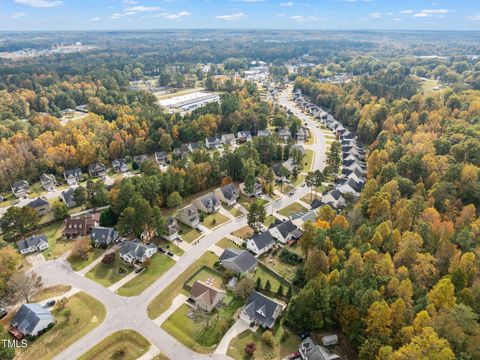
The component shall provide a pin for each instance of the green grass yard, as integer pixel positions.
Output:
(205, 274)
(189, 234)
(234, 211)
(226, 243)
(58, 245)
(291, 209)
(214, 220)
(78, 263)
(243, 233)
(50, 292)
(269, 220)
(107, 274)
(308, 160)
(274, 281)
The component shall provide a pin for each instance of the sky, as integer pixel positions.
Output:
(39, 15)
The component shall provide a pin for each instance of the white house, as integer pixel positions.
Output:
(189, 216)
(212, 143)
(229, 139)
(135, 251)
(260, 243)
(286, 232)
(208, 203)
(228, 194)
(32, 244)
(334, 197)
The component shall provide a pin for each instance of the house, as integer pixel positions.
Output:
(48, 182)
(261, 310)
(41, 205)
(297, 147)
(67, 197)
(205, 296)
(238, 261)
(286, 232)
(309, 350)
(355, 175)
(75, 227)
(73, 177)
(20, 188)
(280, 174)
(260, 243)
(32, 244)
(212, 143)
(333, 198)
(208, 203)
(351, 186)
(257, 190)
(243, 136)
(189, 216)
(120, 165)
(161, 157)
(261, 133)
(284, 134)
(228, 194)
(140, 159)
(136, 252)
(102, 237)
(31, 320)
(192, 147)
(172, 229)
(228, 139)
(301, 135)
(97, 170)
(82, 108)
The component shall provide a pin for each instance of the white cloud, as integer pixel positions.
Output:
(431, 12)
(473, 17)
(289, 3)
(133, 10)
(302, 18)
(406, 12)
(130, 1)
(231, 17)
(172, 16)
(18, 15)
(39, 3)
(95, 19)
(375, 15)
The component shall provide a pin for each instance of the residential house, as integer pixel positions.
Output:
(41, 205)
(136, 252)
(75, 227)
(229, 139)
(120, 165)
(192, 147)
(228, 194)
(264, 133)
(310, 350)
(208, 203)
(212, 143)
(140, 159)
(181, 152)
(205, 296)
(261, 310)
(82, 108)
(297, 147)
(243, 136)
(97, 170)
(31, 320)
(172, 229)
(20, 188)
(189, 216)
(334, 198)
(67, 197)
(284, 134)
(260, 243)
(48, 182)
(286, 232)
(238, 261)
(161, 157)
(301, 135)
(73, 177)
(351, 186)
(257, 190)
(102, 237)
(32, 244)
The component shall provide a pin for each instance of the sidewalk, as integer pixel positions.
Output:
(97, 261)
(176, 303)
(123, 281)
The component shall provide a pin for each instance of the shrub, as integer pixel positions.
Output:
(250, 349)
(268, 338)
(289, 257)
(108, 259)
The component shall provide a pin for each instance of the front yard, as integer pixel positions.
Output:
(159, 264)
(50, 292)
(226, 243)
(214, 220)
(189, 234)
(109, 274)
(84, 314)
(129, 343)
(78, 263)
(243, 233)
(58, 245)
(234, 211)
(201, 333)
(269, 220)
(308, 160)
(292, 209)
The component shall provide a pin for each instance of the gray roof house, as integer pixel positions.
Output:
(284, 134)
(120, 165)
(32, 244)
(48, 181)
(301, 135)
(212, 143)
(261, 310)
(228, 139)
(260, 243)
(135, 251)
(309, 350)
(30, 319)
(264, 133)
(20, 188)
(189, 216)
(208, 203)
(97, 170)
(161, 157)
(286, 232)
(41, 205)
(243, 136)
(140, 159)
(334, 198)
(228, 194)
(257, 191)
(73, 177)
(102, 237)
(67, 198)
(172, 229)
(238, 261)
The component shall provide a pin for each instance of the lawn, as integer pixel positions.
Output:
(291, 209)
(214, 220)
(285, 270)
(189, 234)
(169, 245)
(285, 188)
(243, 233)
(226, 243)
(274, 281)
(428, 86)
(298, 180)
(245, 201)
(164, 299)
(107, 274)
(130, 342)
(280, 350)
(86, 313)
(159, 264)
(207, 274)
(78, 263)
(50, 292)
(234, 211)
(58, 245)
(309, 198)
(195, 333)
(269, 220)
(308, 160)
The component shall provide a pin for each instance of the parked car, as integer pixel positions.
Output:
(295, 355)
(162, 250)
(169, 253)
(51, 303)
(139, 270)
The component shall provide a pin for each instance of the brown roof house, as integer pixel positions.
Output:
(206, 297)
(79, 227)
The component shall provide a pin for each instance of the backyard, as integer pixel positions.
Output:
(207, 274)
(275, 281)
(128, 342)
(292, 209)
(108, 274)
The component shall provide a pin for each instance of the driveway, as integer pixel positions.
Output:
(176, 303)
(236, 329)
(36, 259)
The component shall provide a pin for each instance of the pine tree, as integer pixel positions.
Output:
(280, 291)
(258, 285)
(268, 286)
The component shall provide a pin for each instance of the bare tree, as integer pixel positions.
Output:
(23, 286)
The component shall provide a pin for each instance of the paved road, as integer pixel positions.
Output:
(131, 312)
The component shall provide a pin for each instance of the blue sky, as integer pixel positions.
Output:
(270, 14)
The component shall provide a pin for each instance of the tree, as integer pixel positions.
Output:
(249, 183)
(108, 217)
(24, 286)
(80, 196)
(379, 319)
(442, 295)
(17, 222)
(268, 338)
(428, 345)
(306, 242)
(244, 287)
(60, 210)
(250, 349)
(268, 286)
(158, 222)
(7, 353)
(174, 200)
(9, 260)
(81, 249)
(166, 142)
(256, 213)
